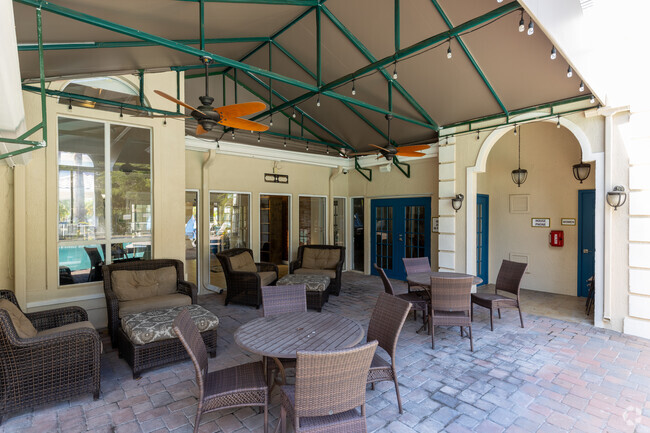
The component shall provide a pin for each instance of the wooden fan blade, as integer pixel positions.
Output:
(171, 98)
(413, 148)
(412, 154)
(200, 130)
(178, 116)
(361, 153)
(374, 145)
(239, 110)
(243, 124)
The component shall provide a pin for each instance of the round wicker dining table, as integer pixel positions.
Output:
(424, 278)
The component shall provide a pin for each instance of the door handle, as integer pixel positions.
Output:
(399, 238)
(585, 251)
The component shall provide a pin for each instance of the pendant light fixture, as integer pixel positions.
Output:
(581, 171)
(519, 175)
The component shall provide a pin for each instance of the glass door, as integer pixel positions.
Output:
(274, 228)
(357, 234)
(311, 217)
(192, 236)
(339, 221)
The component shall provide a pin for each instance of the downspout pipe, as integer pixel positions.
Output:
(330, 207)
(204, 281)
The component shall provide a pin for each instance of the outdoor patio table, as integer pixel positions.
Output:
(424, 278)
(282, 335)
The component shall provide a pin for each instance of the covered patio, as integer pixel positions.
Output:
(551, 376)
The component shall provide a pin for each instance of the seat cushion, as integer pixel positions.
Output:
(308, 271)
(243, 263)
(267, 277)
(24, 327)
(132, 285)
(156, 325)
(153, 303)
(313, 282)
(69, 327)
(320, 258)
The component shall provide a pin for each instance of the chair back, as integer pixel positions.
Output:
(190, 337)
(284, 299)
(416, 265)
(451, 294)
(387, 321)
(332, 382)
(388, 287)
(510, 275)
(94, 256)
(10, 296)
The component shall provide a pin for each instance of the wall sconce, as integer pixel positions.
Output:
(457, 202)
(617, 197)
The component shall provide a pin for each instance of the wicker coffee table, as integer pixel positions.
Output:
(147, 340)
(316, 286)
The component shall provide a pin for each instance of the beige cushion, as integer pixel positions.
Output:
(153, 303)
(243, 262)
(132, 285)
(320, 258)
(306, 271)
(69, 327)
(268, 277)
(24, 327)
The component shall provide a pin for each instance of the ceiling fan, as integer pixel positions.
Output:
(228, 115)
(391, 151)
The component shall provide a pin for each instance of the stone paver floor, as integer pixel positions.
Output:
(552, 376)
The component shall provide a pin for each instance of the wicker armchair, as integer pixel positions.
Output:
(49, 367)
(329, 388)
(450, 305)
(245, 280)
(112, 302)
(508, 280)
(386, 324)
(239, 386)
(418, 303)
(415, 265)
(309, 263)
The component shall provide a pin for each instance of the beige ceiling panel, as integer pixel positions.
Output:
(419, 20)
(459, 12)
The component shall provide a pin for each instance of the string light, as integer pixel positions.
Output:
(70, 104)
(582, 86)
(328, 150)
(271, 120)
(293, 114)
(307, 147)
(259, 137)
(515, 129)
(285, 143)
(478, 134)
(521, 23)
(165, 121)
(318, 101)
(531, 27)
(449, 50)
(395, 71)
(233, 134)
(558, 122)
(121, 114)
(592, 99)
(553, 53)
(569, 72)
(354, 90)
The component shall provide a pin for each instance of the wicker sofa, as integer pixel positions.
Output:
(321, 260)
(173, 291)
(60, 361)
(244, 277)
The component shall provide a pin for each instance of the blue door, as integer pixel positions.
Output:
(586, 238)
(401, 228)
(482, 232)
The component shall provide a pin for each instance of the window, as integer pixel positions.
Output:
(229, 228)
(109, 88)
(339, 221)
(104, 197)
(311, 215)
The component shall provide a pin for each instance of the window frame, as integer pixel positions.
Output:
(326, 222)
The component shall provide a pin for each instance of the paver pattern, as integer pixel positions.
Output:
(552, 376)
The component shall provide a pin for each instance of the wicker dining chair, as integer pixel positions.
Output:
(386, 324)
(416, 265)
(450, 305)
(239, 386)
(284, 299)
(329, 388)
(418, 303)
(508, 280)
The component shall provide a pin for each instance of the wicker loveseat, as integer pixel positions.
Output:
(244, 277)
(320, 260)
(57, 360)
(135, 292)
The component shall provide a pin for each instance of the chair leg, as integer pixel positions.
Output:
(461, 332)
(266, 414)
(471, 311)
(491, 319)
(521, 318)
(499, 311)
(283, 419)
(198, 420)
(399, 399)
(471, 342)
(432, 336)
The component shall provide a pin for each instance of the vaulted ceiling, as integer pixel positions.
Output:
(292, 53)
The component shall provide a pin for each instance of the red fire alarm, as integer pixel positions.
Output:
(556, 239)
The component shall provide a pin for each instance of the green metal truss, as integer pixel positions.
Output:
(123, 44)
(365, 172)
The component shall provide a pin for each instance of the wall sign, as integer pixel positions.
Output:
(540, 222)
(568, 221)
(435, 224)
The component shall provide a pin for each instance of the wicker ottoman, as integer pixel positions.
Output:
(316, 285)
(147, 340)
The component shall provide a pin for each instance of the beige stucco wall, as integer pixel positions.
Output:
(6, 227)
(35, 274)
(548, 154)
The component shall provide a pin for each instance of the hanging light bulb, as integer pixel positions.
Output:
(259, 137)
(582, 86)
(165, 121)
(478, 134)
(307, 147)
(449, 50)
(318, 101)
(499, 1)
(271, 120)
(293, 114)
(558, 122)
(592, 99)
(515, 129)
(521, 23)
(328, 150)
(354, 90)
(395, 71)
(553, 53)
(569, 72)
(70, 104)
(233, 134)
(531, 27)
(285, 143)
(121, 114)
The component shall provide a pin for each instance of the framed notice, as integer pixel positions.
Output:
(540, 222)
(568, 221)
(435, 224)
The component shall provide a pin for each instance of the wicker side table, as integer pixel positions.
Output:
(146, 340)
(316, 285)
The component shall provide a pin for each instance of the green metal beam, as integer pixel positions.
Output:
(297, 138)
(469, 56)
(31, 131)
(129, 44)
(362, 170)
(98, 100)
(202, 23)
(319, 59)
(141, 89)
(35, 146)
(41, 71)
(397, 27)
(263, 2)
(363, 50)
(399, 165)
(294, 59)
